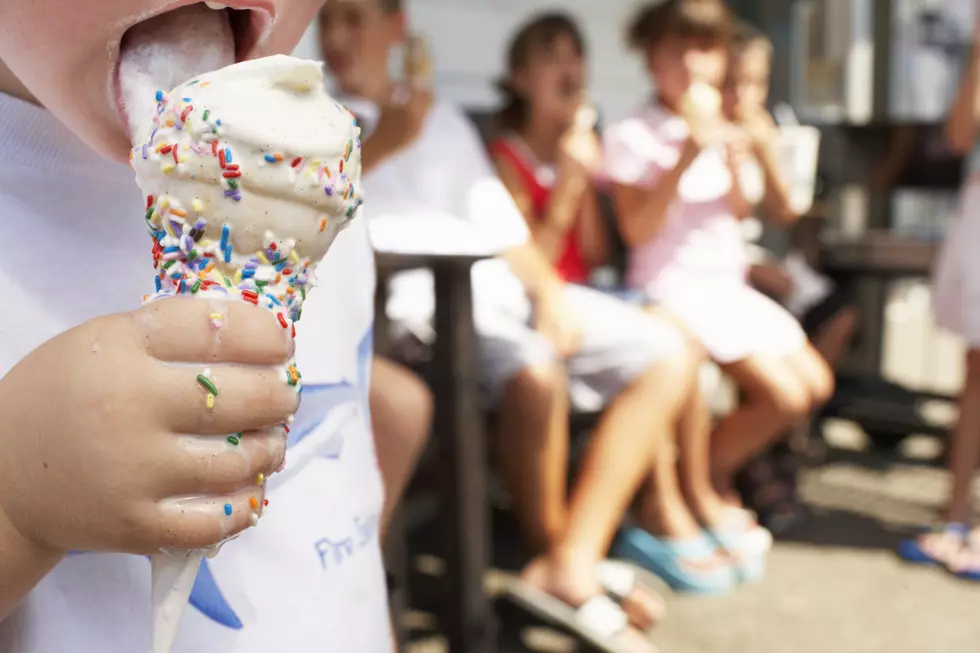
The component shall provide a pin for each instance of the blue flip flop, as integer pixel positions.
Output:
(689, 565)
(910, 549)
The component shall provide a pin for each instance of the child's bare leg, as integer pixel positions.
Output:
(964, 454)
(833, 338)
(694, 443)
(532, 452)
(814, 373)
(946, 545)
(401, 416)
(774, 399)
(635, 429)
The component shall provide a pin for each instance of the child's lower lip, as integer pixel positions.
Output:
(118, 103)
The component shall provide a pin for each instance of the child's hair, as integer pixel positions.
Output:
(392, 6)
(706, 20)
(745, 36)
(540, 30)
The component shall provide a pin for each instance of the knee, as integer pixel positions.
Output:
(533, 389)
(674, 358)
(418, 407)
(401, 406)
(821, 383)
(791, 400)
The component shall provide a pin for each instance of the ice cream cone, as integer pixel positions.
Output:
(418, 66)
(173, 576)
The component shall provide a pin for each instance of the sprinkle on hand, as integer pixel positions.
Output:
(204, 380)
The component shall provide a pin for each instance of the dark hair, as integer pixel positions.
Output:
(392, 6)
(541, 30)
(706, 20)
(746, 35)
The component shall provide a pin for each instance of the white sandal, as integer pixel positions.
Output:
(598, 622)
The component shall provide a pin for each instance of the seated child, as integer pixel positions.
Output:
(768, 483)
(670, 164)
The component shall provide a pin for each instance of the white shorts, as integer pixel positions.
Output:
(733, 320)
(619, 340)
(956, 277)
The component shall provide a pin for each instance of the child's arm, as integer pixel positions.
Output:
(398, 126)
(546, 289)
(776, 202)
(961, 122)
(549, 230)
(736, 156)
(772, 280)
(22, 565)
(593, 240)
(641, 211)
(108, 469)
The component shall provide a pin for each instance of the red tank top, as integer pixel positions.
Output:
(570, 265)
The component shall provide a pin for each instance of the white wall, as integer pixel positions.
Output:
(468, 39)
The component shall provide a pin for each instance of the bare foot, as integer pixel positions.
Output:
(944, 545)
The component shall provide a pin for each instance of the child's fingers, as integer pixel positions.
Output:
(188, 330)
(216, 465)
(225, 399)
(202, 522)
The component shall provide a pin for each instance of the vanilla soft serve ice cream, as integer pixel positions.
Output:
(249, 174)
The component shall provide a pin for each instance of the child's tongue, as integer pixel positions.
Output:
(167, 50)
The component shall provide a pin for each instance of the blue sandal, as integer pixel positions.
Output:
(911, 549)
(689, 565)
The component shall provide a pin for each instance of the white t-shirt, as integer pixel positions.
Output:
(441, 195)
(310, 576)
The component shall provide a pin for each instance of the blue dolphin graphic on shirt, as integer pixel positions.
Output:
(207, 598)
(319, 401)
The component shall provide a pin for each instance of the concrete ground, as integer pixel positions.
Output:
(837, 587)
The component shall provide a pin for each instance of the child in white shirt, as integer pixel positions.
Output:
(92, 470)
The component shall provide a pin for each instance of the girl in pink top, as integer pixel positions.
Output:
(670, 166)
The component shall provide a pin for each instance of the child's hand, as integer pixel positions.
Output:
(554, 321)
(95, 445)
(401, 120)
(738, 149)
(580, 153)
(759, 126)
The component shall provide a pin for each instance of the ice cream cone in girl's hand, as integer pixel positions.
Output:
(418, 66)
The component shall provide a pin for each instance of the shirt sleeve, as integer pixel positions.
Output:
(633, 155)
(484, 200)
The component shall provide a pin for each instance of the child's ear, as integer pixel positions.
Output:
(399, 27)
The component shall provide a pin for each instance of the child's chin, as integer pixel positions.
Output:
(107, 137)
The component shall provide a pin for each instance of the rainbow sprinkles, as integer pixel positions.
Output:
(192, 247)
